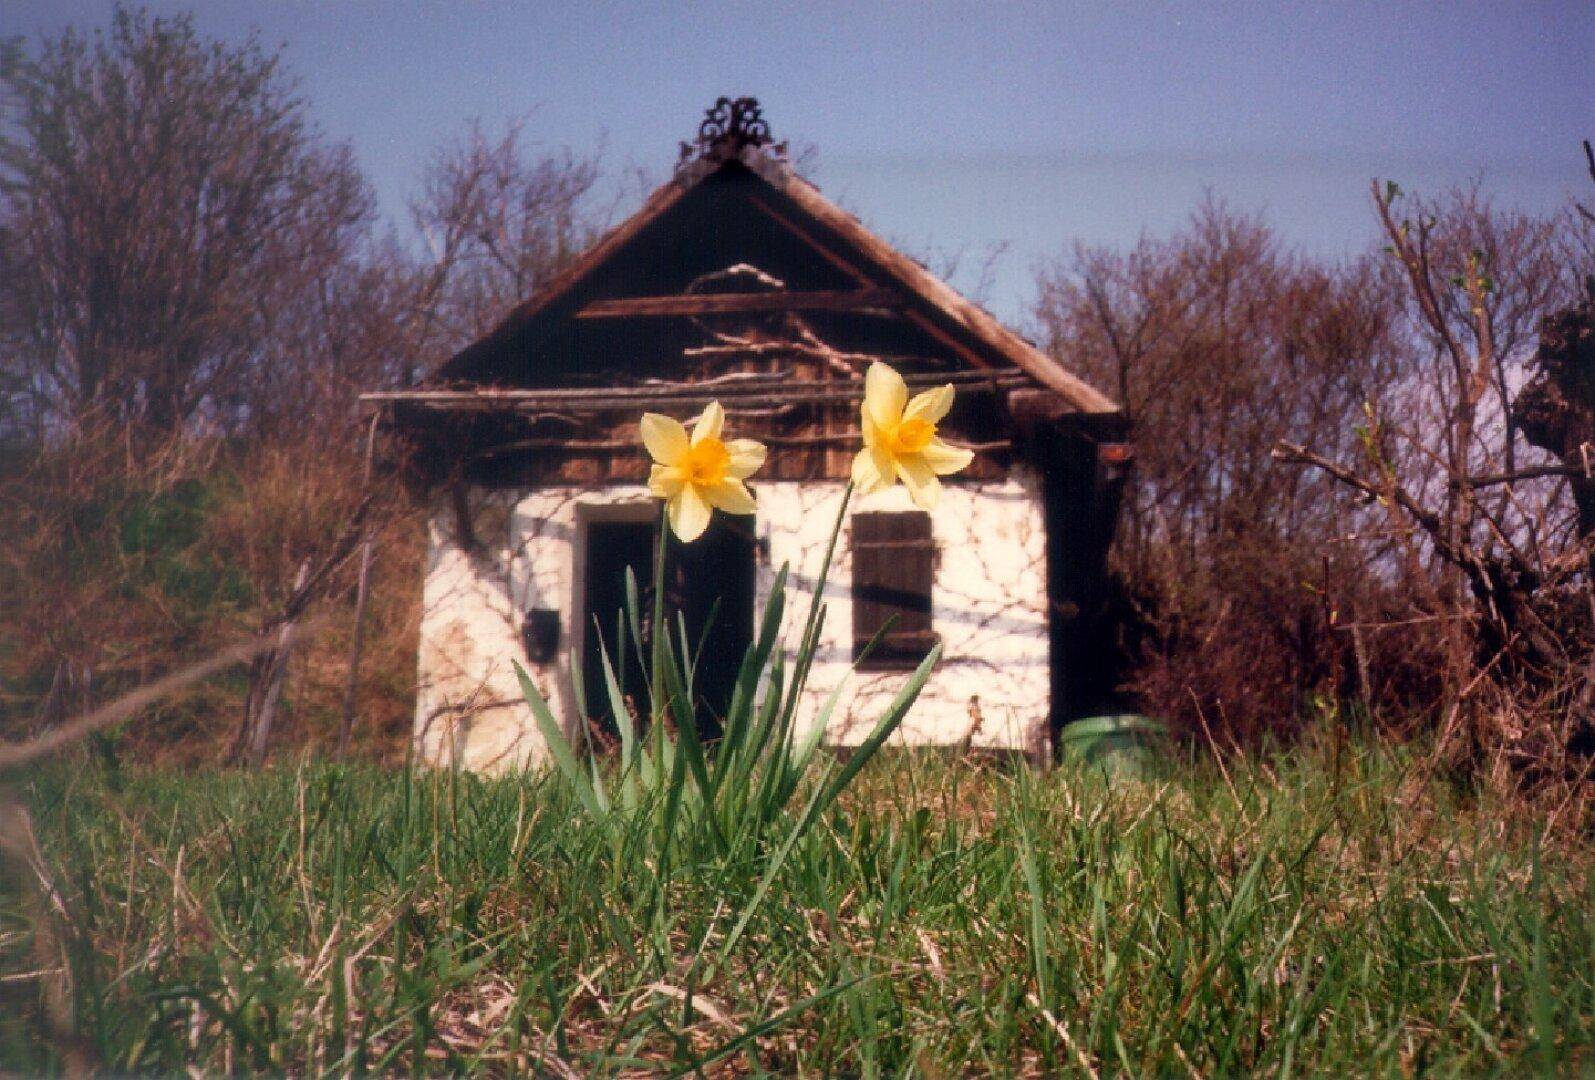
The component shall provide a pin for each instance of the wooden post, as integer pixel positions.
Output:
(265, 711)
(346, 725)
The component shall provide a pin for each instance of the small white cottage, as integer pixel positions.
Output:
(738, 281)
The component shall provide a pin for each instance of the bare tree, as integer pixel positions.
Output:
(1219, 342)
(495, 223)
(1496, 546)
(162, 199)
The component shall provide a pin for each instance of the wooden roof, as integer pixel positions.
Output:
(859, 273)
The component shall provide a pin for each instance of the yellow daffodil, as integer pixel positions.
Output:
(900, 440)
(697, 475)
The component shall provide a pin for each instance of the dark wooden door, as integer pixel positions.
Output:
(711, 583)
(612, 548)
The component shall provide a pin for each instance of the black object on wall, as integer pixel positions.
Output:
(540, 635)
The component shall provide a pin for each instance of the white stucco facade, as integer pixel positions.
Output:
(991, 689)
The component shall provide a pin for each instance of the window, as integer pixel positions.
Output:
(894, 562)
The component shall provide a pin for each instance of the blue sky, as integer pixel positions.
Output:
(971, 128)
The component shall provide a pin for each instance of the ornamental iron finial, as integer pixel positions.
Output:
(728, 126)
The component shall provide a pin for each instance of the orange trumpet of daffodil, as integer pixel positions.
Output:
(698, 475)
(900, 441)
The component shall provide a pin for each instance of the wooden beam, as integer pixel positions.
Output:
(744, 390)
(849, 437)
(739, 303)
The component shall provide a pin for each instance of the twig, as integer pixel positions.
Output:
(1589, 158)
(1535, 472)
(13, 755)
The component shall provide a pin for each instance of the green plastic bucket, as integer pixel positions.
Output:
(1124, 744)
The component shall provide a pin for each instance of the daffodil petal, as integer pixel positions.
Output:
(930, 405)
(665, 482)
(730, 495)
(866, 477)
(746, 456)
(885, 394)
(885, 465)
(873, 470)
(688, 513)
(710, 423)
(665, 439)
(944, 459)
(872, 430)
(920, 480)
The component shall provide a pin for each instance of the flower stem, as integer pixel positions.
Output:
(815, 599)
(656, 689)
(808, 646)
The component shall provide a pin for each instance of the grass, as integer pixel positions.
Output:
(1322, 913)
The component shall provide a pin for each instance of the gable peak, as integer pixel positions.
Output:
(732, 128)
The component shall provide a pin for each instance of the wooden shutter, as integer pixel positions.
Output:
(894, 564)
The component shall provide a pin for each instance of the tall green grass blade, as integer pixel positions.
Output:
(564, 759)
(687, 741)
(887, 724)
(826, 792)
(634, 617)
(620, 710)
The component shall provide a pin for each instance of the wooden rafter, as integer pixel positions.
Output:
(740, 303)
(747, 390)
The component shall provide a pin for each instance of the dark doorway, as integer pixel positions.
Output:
(718, 566)
(714, 576)
(612, 548)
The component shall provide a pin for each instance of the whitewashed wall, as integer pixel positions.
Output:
(991, 689)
